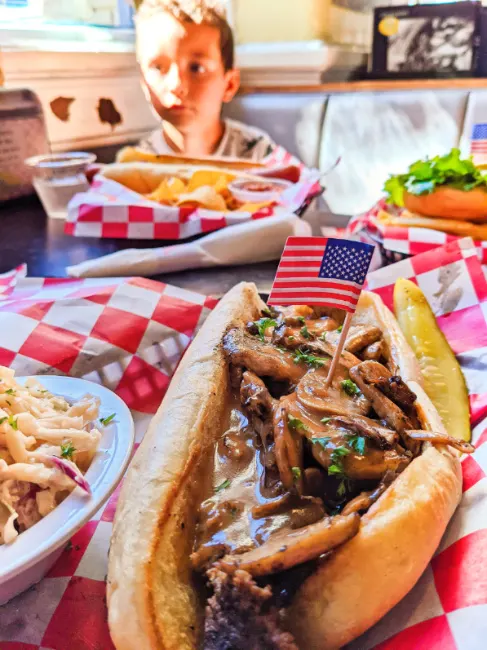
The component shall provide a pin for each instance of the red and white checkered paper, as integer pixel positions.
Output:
(406, 241)
(8, 280)
(128, 334)
(108, 209)
(447, 610)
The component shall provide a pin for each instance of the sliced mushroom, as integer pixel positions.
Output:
(321, 326)
(283, 551)
(255, 396)
(358, 337)
(328, 436)
(366, 375)
(383, 437)
(263, 359)
(365, 500)
(298, 511)
(327, 348)
(312, 392)
(361, 336)
(291, 337)
(374, 351)
(441, 439)
(398, 391)
(373, 464)
(206, 555)
(273, 506)
(288, 448)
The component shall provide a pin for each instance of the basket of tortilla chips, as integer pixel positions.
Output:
(142, 200)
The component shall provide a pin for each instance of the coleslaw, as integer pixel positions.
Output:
(46, 446)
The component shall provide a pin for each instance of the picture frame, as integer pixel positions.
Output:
(424, 41)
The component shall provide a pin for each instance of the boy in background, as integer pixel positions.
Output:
(185, 49)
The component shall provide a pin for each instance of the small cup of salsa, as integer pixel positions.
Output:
(258, 191)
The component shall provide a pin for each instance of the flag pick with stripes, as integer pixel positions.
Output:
(321, 271)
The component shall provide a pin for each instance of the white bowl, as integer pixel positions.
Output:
(237, 188)
(31, 555)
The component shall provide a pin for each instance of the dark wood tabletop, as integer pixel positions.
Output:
(27, 235)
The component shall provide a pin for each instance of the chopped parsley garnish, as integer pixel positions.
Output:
(223, 486)
(291, 338)
(67, 450)
(296, 424)
(12, 422)
(339, 329)
(343, 487)
(325, 420)
(357, 443)
(335, 469)
(323, 441)
(107, 420)
(323, 336)
(2, 420)
(424, 176)
(296, 473)
(301, 320)
(10, 391)
(262, 324)
(336, 457)
(350, 387)
(304, 331)
(310, 359)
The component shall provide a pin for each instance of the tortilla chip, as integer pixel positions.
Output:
(168, 191)
(205, 197)
(450, 226)
(254, 207)
(203, 177)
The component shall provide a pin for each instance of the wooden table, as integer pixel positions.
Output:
(27, 235)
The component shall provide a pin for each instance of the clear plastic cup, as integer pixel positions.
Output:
(58, 177)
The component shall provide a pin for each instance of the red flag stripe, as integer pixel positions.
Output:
(308, 264)
(307, 242)
(295, 291)
(303, 275)
(320, 284)
(314, 294)
(304, 257)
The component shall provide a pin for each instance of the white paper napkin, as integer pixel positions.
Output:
(255, 241)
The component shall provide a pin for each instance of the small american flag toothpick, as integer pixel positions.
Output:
(321, 271)
(326, 272)
(478, 143)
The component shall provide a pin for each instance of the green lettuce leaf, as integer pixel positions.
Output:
(424, 176)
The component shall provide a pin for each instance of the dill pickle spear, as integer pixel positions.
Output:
(444, 382)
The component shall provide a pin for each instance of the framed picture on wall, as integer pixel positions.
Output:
(427, 40)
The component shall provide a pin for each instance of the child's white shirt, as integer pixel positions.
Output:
(239, 141)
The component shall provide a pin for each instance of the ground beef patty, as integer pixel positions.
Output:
(238, 615)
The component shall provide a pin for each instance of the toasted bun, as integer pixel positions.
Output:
(133, 154)
(459, 228)
(373, 571)
(450, 203)
(146, 177)
(153, 602)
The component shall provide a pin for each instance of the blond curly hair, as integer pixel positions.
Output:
(200, 12)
